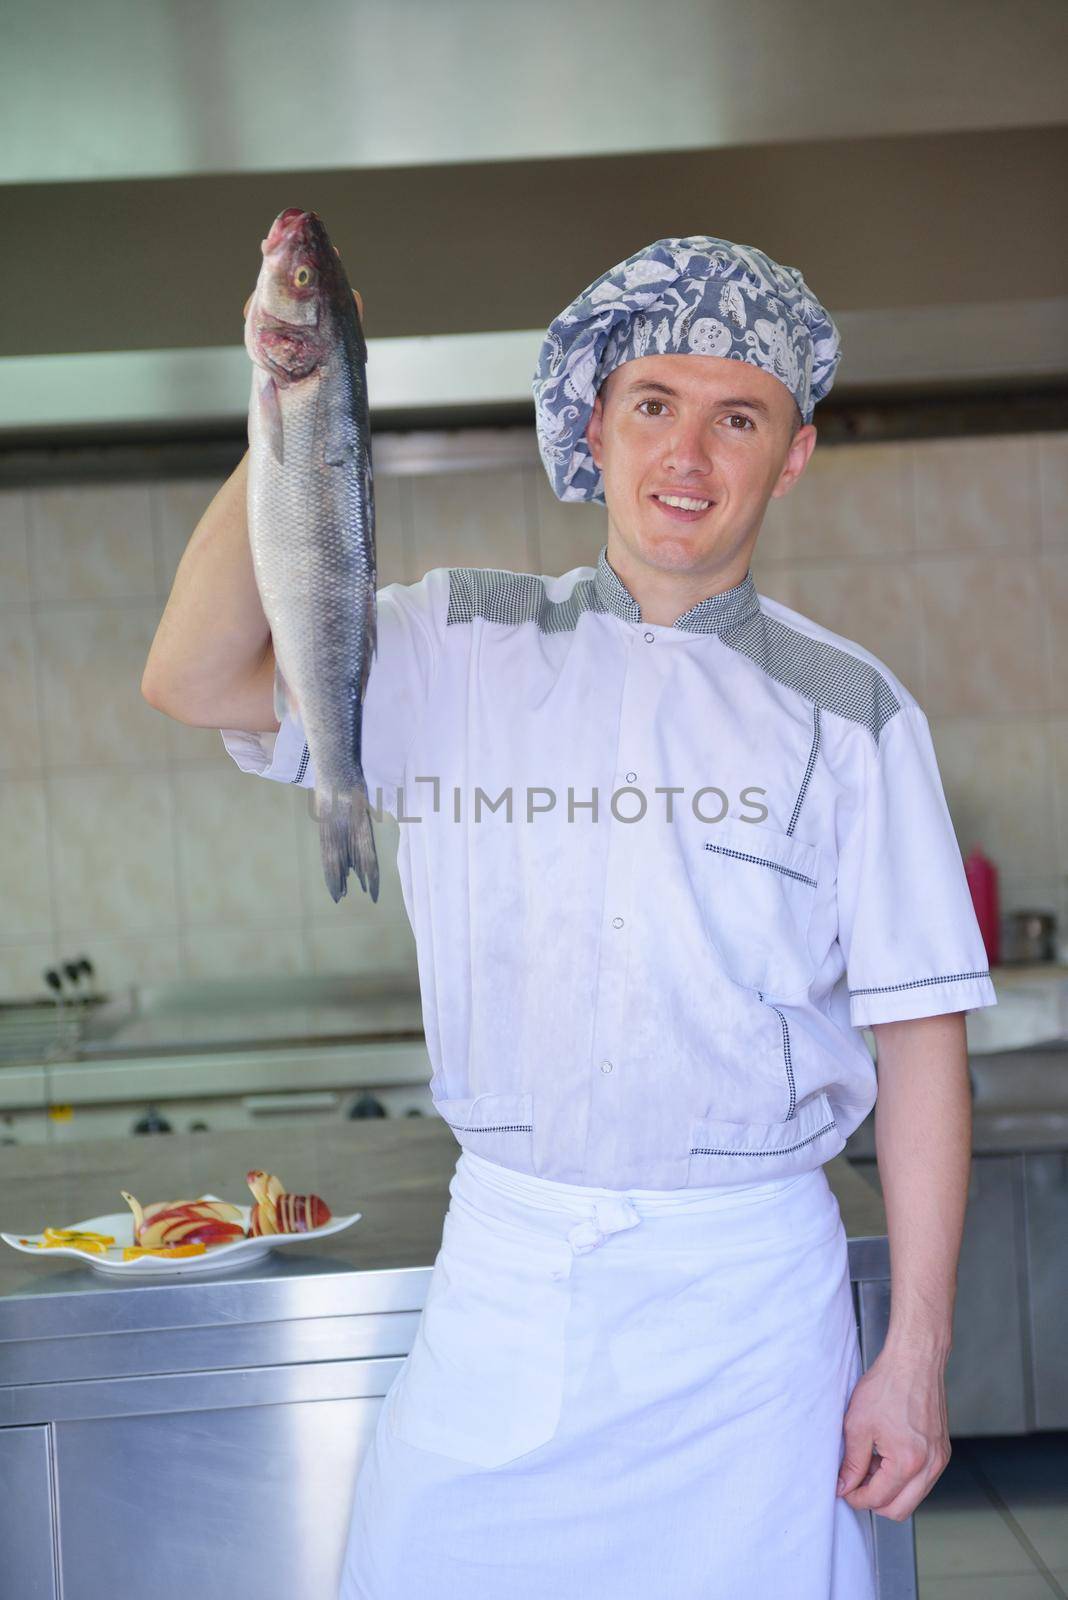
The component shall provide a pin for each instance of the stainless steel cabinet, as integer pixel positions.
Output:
(1007, 1371)
(1045, 1195)
(27, 1522)
(986, 1375)
(201, 1437)
(197, 1439)
(247, 1500)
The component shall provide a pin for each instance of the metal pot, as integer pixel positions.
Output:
(1028, 936)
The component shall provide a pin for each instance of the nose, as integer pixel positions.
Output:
(687, 453)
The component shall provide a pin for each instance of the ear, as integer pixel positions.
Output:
(798, 455)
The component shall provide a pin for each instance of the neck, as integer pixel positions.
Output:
(666, 596)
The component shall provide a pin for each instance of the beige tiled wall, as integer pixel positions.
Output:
(949, 559)
(135, 839)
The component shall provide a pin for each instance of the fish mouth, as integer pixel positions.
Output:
(287, 222)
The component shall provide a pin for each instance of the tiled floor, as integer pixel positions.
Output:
(995, 1525)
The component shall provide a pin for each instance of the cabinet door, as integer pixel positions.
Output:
(27, 1534)
(1046, 1188)
(209, 1505)
(986, 1374)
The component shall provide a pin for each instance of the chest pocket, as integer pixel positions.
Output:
(757, 890)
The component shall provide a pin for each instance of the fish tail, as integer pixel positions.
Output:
(347, 842)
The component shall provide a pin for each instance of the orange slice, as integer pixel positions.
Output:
(132, 1251)
(95, 1247)
(72, 1235)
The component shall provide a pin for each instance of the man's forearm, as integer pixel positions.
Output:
(923, 1137)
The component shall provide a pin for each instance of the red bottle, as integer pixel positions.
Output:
(982, 878)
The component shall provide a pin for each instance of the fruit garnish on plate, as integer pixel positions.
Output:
(171, 1222)
(94, 1244)
(79, 1237)
(277, 1211)
(134, 1252)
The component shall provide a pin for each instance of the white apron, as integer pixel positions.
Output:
(620, 1395)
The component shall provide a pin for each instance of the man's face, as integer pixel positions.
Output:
(701, 428)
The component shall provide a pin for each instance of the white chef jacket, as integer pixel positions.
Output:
(728, 849)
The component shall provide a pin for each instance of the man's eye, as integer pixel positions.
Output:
(735, 416)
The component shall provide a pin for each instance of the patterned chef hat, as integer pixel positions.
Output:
(697, 296)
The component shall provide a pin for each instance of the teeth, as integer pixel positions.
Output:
(684, 505)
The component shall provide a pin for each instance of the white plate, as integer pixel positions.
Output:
(214, 1259)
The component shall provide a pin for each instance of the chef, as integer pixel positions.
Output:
(666, 846)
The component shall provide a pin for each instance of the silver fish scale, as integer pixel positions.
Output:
(311, 531)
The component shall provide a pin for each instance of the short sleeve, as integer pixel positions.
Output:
(906, 923)
(411, 620)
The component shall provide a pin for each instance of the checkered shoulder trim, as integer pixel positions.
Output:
(823, 672)
(511, 597)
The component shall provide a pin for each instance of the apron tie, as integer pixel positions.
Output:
(611, 1217)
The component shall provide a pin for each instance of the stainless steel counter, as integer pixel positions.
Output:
(225, 1053)
(185, 1018)
(201, 1437)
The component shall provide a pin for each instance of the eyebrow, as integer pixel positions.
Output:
(661, 388)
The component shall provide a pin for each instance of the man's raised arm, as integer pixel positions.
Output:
(212, 662)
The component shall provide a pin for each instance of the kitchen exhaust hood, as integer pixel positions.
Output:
(158, 88)
(479, 164)
(990, 343)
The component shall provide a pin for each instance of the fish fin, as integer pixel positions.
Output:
(271, 418)
(370, 629)
(346, 841)
(284, 698)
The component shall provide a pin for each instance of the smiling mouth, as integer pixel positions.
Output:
(684, 507)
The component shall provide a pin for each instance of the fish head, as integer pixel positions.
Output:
(302, 295)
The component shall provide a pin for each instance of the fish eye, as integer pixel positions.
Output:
(302, 277)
